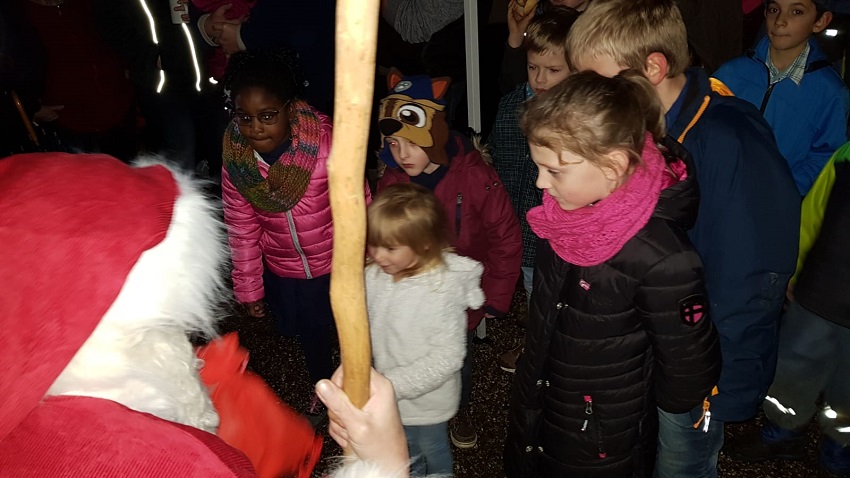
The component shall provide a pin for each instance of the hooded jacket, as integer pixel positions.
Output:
(297, 243)
(823, 266)
(809, 120)
(482, 223)
(746, 233)
(418, 328)
(598, 360)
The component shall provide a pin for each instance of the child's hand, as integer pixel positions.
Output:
(374, 433)
(228, 36)
(517, 23)
(256, 309)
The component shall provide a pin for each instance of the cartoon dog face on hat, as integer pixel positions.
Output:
(415, 111)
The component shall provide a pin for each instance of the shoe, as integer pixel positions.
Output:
(834, 459)
(507, 361)
(316, 413)
(463, 430)
(770, 443)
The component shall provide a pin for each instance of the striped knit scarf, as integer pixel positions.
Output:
(289, 177)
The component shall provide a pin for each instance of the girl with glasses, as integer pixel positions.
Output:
(276, 204)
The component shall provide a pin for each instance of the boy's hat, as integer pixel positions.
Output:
(415, 111)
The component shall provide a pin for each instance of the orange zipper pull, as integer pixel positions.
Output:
(706, 414)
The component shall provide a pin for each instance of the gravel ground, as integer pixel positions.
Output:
(280, 362)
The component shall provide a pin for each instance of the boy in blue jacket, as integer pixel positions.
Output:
(789, 78)
(747, 226)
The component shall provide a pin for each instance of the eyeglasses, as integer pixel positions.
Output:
(266, 118)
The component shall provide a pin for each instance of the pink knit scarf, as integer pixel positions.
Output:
(593, 234)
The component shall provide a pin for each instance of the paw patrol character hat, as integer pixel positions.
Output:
(415, 111)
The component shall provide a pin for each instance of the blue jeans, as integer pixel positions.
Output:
(429, 449)
(685, 451)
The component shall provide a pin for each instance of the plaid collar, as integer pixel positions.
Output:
(794, 72)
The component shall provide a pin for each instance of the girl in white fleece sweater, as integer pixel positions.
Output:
(417, 293)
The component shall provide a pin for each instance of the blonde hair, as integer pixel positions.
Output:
(628, 31)
(409, 215)
(592, 115)
(547, 32)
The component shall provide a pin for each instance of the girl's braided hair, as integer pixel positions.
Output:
(274, 69)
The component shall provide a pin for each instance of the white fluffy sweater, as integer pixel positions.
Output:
(418, 328)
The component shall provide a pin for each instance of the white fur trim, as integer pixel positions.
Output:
(140, 355)
(352, 468)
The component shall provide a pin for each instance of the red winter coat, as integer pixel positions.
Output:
(482, 224)
(295, 244)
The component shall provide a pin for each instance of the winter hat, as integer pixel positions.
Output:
(72, 227)
(415, 110)
(101, 285)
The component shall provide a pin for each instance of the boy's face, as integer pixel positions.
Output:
(255, 109)
(410, 157)
(546, 70)
(790, 23)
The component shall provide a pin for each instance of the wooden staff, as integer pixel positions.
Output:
(356, 40)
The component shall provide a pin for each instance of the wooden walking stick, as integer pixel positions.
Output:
(356, 39)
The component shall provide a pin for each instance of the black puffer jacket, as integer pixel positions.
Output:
(599, 359)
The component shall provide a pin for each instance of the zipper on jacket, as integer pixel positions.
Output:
(294, 235)
(458, 212)
(592, 421)
(766, 98)
(767, 93)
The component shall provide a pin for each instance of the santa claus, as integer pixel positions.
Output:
(106, 271)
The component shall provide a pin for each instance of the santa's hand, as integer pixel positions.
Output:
(256, 308)
(374, 433)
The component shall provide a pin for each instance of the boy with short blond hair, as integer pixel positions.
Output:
(790, 79)
(545, 46)
(747, 227)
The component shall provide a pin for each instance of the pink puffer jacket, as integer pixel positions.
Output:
(296, 244)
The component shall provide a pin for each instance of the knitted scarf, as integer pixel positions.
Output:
(593, 234)
(289, 177)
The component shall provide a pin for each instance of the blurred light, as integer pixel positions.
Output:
(212, 81)
(831, 32)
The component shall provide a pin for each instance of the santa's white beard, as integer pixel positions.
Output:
(152, 371)
(140, 355)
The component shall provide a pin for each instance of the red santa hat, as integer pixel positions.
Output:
(72, 229)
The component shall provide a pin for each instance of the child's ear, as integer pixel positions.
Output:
(440, 86)
(656, 67)
(393, 78)
(822, 22)
(617, 167)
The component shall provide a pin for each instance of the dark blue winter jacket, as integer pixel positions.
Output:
(746, 233)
